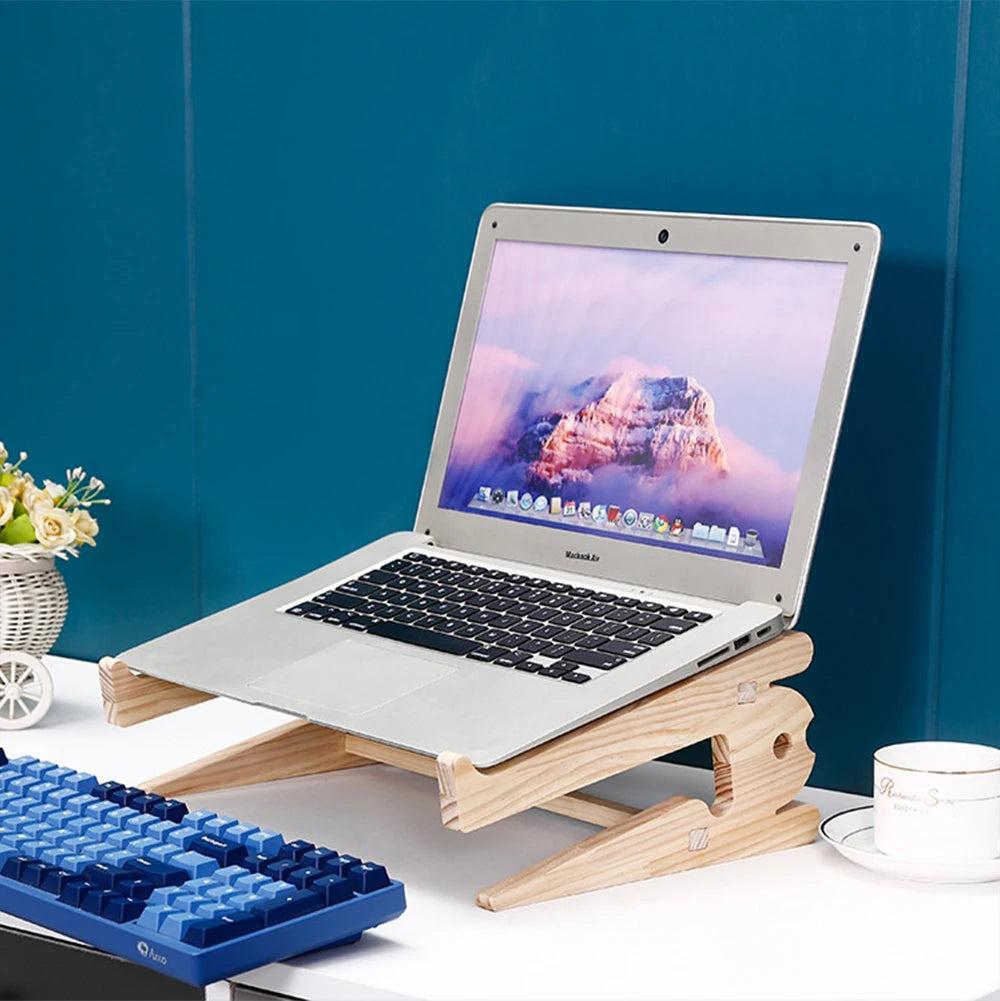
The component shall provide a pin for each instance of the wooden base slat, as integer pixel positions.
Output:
(759, 750)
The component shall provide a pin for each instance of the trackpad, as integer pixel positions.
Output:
(351, 677)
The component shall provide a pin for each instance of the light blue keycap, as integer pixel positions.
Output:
(164, 853)
(217, 826)
(58, 774)
(213, 910)
(160, 829)
(141, 823)
(121, 839)
(76, 863)
(199, 886)
(120, 816)
(19, 822)
(118, 858)
(240, 833)
(250, 882)
(61, 818)
(21, 804)
(176, 924)
(183, 836)
(100, 808)
(82, 782)
(164, 896)
(16, 842)
(61, 835)
(264, 843)
(60, 797)
(54, 856)
(41, 810)
(81, 824)
(197, 818)
(73, 844)
(188, 902)
(35, 829)
(152, 917)
(6, 797)
(102, 832)
(39, 793)
(194, 864)
(39, 768)
(144, 845)
(221, 894)
(35, 848)
(230, 874)
(275, 889)
(7, 775)
(245, 901)
(22, 763)
(80, 804)
(22, 785)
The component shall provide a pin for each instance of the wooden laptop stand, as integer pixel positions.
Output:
(759, 750)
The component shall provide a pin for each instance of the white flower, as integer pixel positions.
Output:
(53, 527)
(6, 506)
(54, 490)
(16, 486)
(3, 454)
(85, 527)
(95, 484)
(32, 497)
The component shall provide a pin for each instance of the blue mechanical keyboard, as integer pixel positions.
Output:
(196, 896)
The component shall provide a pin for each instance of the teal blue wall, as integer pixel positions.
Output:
(236, 235)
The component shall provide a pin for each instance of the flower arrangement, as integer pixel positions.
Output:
(54, 519)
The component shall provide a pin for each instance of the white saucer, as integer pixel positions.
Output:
(852, 834)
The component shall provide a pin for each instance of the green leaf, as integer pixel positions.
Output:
(19, 509)
(6, 479)
(18, 530)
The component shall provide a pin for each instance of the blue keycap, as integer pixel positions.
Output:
(74, 844)
(35, 830)
(82, 782)
(341, 865)
(280, 868)
(160, 829)
(99, 809)
(125, 795)
(258, 863)
(224, 852)
(164, 853)
(54, 856)
(368, 877)
(16, 841)
(264, 843)
(74, 891)
(105, 789)
(58, 774)
(230, 874)
(105, 876)
(61, 797)
(275, 889)
(285, 908)
(153, 916)
(80, 805)
(56, 881)
(195, 865)
(295, 850)
(169, 809)
(141, 823)
(182, 836)
(20, 804)
(61, 818)
(33, 873)
(224, 928)
(137, 889)
(22, 763)
(188, 902)
(60, 836)
(197, 819)
(22, 785)
(40, 792)
(333, 889)
(144, 846)
(122, 839)
(251, 882)
(244, 901)
(6, 797)
(39, 768)
(221, 894)
(76, 863)
(176, 923)
(41, 811)
(217, 826)
(145, 802)
(119, 858)
(159, 873)
(80, 825)
(211, 909)
(121, 909)
(34, 848)
(318, 857)
(240, 832)
(199, 886)
(121, 816)
(303, 877)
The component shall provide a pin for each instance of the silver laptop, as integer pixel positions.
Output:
(624, 487)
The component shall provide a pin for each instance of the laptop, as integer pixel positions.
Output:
(623, 489)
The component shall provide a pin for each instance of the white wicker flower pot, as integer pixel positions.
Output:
(32, 611)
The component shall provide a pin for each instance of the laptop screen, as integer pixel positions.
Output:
(664, 398)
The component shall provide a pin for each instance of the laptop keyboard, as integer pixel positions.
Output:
(531, 624)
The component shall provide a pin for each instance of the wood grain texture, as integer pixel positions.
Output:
(134, 698)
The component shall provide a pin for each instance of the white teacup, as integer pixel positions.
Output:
(938, 801)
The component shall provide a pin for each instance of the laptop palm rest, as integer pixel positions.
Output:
(351, 678)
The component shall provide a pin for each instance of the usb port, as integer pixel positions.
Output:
(741, 642)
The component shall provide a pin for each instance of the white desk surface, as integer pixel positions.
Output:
(803, 923)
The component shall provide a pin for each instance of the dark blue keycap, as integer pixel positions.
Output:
(14, 866)
(3, 758)
(74, 891)
(285, 908)
(157, 873)
(368, 877)
(224, 852)
(333, 889)
(35, 872)
(105, 789)
(120, 909)
(295, 850)
(318, 857)
(105, 876)
(212, 931)
(95, 900)
(125, 795)
(341, 865)
(258, 863)
(280, 868)
(303, 877)
(137, 889)
(169, 809)
(144, 802)
(56, 879)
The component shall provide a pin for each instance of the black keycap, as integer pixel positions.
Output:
(515, 590)
(558, 587)
(509, 640)
(623, 649)
(457, 579)
(506, 622)
(593, 658)
(610, 628)
(556, 670)
(435, 561)
(595, 639)
(698, 616)
(511, 658)
(498, 575)
(376, 577)
(429, 622)
(395, 566)
(581, 605)
(339, 600)
(575, 677)
(492, 587)
(434, 574)
(651, 606)
(543, 614)
(483, 616)
(502, 604)
(534, 645)
(581, 592)
(674, 611)
(589, 624)
(524, 627)
(487, 653)
(317, 614)
(441, 591)
(517, 578)
(620, 614)
(463, 597)
(604, 596)
(421, 603)
(336, 616)
(558, 650)
(491, 636)
(536, 595)
(303, 608)
(375, 608)
(632, 633)
(418, 587)
(655, 638)
(445, 608)
(224, 852)
(358, 622)
(399, 598)
(422, 637)
(356, 587)
(545, 631)
(406, 616)
(480, 600)
(530, 666)
(566, 619)
(383, 594)
(537, 582)
(627, 602)
(571, 636)
(449, 625)
(470, 631)
(643, 618)
(671, 625)
(556, 600)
